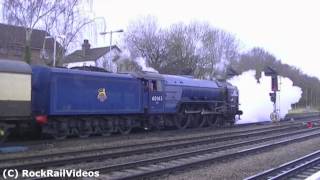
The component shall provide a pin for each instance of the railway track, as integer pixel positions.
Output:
(36, 142)
(153, 143)
(33, 144)
(121, 151)
(146, 163)
(13, 142)
(163, 165)
(297, 169)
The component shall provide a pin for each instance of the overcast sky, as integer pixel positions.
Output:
(289, 29)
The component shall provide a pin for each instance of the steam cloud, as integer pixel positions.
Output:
(254, 97)
(142, 63)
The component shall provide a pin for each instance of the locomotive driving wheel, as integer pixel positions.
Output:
(125, 126)
(214, 121)
(182, 121)
(194, 120)
(199, 121)
(202, 121)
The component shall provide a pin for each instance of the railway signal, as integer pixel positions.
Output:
(268, 71)
(273, 97)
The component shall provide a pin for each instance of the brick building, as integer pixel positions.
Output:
(13, 39)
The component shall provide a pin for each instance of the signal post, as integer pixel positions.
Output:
(274, 116)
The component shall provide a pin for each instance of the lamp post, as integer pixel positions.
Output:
(110, 47)
(54, 46)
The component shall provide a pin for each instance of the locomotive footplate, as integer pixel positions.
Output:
(192, 111)
(209, 112)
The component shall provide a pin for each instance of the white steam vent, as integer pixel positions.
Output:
(254, 97)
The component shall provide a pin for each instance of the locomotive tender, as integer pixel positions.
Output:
(80, 103)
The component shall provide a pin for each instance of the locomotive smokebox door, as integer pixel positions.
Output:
(156, 96)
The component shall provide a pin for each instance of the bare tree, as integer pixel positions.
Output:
(29, 15)
(145, 39)
(200, 48)
(181, 47)
(257, 59)
(59, 18)
(196, 49)
(70, 23)
(219, 48)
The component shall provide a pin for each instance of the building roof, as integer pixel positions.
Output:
(13, 36)
(92, 54)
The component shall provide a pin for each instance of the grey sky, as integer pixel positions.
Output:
(289, 29)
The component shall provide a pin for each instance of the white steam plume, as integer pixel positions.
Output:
(125, 55)
(254, 97)
(142, 63)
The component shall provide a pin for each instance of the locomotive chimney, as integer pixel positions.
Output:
(85, 47)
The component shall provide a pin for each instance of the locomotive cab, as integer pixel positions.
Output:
(154, 99)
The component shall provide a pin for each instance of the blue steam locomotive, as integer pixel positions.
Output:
(72, 102)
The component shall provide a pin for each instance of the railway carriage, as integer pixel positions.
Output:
(15, 94)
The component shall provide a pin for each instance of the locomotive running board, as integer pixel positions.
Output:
(200, 112)
(192, 112)
(209, 112)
